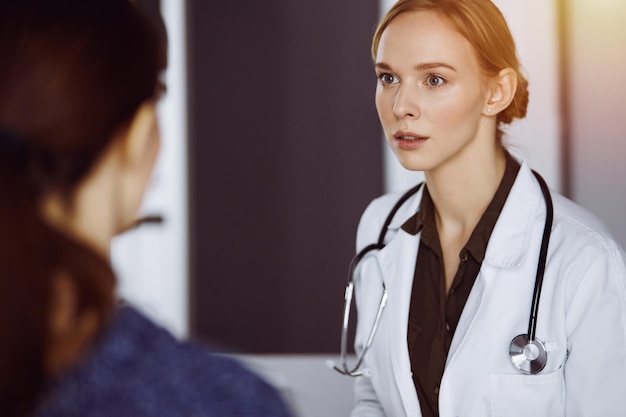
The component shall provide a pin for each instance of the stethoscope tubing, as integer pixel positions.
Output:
(530, 365)
(543, 257)
(380, 243)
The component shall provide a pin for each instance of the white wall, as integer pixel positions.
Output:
(151, 261)
(597, 93)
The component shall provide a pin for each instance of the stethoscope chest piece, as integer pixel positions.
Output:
(529, 357)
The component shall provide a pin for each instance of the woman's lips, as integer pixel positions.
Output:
(409, 141)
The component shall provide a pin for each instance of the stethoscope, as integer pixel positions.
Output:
(528, 353)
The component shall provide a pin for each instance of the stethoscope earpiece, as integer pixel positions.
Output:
(529, 356)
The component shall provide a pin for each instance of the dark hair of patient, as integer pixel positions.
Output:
(72, 72)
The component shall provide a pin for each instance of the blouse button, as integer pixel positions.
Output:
(464, 256)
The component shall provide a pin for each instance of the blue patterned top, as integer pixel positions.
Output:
(139, 369)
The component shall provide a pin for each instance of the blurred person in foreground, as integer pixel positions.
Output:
(79, 83)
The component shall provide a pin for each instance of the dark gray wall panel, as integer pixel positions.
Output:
(285, 153)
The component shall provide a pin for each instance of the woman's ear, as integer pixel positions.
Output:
(501, 92)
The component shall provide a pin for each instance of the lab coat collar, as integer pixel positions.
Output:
(510, 239)
(406, 211)
(397, 262)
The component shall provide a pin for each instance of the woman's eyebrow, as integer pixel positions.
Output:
(419, 67)
(433, 65)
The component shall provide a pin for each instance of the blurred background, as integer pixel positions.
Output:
(272, 149)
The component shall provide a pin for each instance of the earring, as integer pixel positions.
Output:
(488, 109)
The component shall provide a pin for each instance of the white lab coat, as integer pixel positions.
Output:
(581, 318)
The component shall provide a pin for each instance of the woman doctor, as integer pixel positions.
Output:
(461, 255)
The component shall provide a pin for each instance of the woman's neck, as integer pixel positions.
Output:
(462, 189)
(72, 219)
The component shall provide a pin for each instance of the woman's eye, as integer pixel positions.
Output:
(387, 78)
(435, 80)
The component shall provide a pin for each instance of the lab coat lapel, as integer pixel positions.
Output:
(510, 239)
(397, 262)
(508, 245)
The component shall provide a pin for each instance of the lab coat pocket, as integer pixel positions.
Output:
(512, 395)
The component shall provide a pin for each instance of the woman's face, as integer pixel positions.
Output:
(139, 174)
(431, 93)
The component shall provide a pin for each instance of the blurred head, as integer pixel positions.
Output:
(483, 26)
(74, 74)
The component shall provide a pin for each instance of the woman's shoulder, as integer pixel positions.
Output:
(575, 229)
(139, 369)
(577, 223)
(583, 240)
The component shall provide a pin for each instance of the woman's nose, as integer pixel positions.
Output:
(406, 103)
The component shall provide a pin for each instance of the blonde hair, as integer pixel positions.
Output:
(482, 24)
